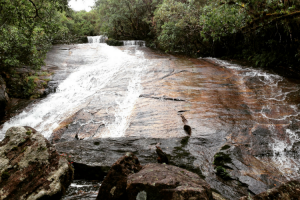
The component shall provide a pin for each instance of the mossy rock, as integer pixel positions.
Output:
(113, 42)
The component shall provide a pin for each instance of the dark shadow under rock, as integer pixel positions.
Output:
(114, 185)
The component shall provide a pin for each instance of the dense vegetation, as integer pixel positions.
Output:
(265, 32)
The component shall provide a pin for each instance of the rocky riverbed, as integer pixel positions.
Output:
(244, 122)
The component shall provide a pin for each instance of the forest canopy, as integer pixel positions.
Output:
(265, 32)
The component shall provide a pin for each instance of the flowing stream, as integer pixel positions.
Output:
(131, 90)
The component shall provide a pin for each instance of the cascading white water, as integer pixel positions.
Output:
(75, 92)
(97, 39)
(140, 43)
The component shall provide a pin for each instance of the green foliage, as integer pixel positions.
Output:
(26, 31)
(177, 26)
(29, 85)
(113, 42)
(127, 19)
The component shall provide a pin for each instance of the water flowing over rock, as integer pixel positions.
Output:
(97, 39)
(140, 43)
(249, 115)
(30, 167)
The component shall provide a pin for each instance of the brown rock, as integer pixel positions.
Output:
(287, 191)
(114, 184)
(162, 156)
(186, 127)
(166, 182)
(30, 167)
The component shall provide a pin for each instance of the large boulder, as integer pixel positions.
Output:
(287, 191)
(114, 185)
(31, 168)
(166, 182)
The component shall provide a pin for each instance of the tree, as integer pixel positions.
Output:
(27, 28)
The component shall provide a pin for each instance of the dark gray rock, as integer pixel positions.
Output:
(287, 191)
(114, 185)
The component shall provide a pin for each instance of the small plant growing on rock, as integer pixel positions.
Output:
(220, 160)
(5, 175)
(221, 171)
(28, 132)
(15, 148)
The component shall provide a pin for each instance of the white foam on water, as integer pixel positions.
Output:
(97, 39)
(287, 164)
(75, 91)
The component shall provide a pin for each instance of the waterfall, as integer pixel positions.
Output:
(140, 43)
(86, 86)
(97, 39)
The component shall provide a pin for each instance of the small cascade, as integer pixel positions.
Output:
(140, 43)
(97, 39)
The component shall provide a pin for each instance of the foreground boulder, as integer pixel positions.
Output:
(31, 168)
(166, 182)
(114, 184)
(287, 191)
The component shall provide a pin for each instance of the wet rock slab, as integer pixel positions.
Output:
(30, 167)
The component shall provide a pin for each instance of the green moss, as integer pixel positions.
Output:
(28, 132)
(23, 150)
(225, 147)
(14, 148)
(5, 175)
(42, 148)
(221, 171)
(221, 158)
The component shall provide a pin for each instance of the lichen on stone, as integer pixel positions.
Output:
(35, 153)
(141, 196)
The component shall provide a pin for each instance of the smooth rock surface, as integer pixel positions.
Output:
(30, 167)
(114, 185)
(287, 191)
(166, 182)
